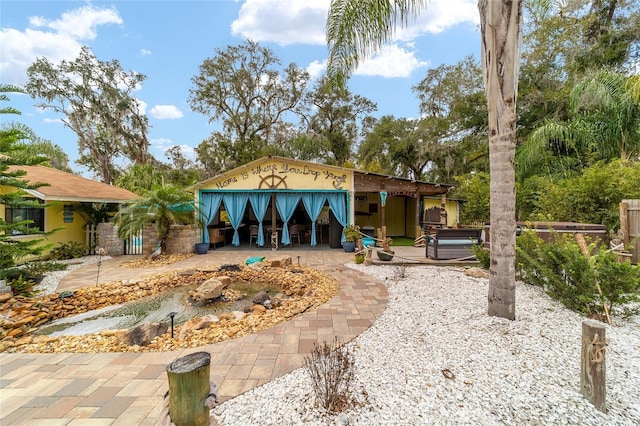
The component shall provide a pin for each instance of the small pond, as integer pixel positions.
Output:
(151, 309)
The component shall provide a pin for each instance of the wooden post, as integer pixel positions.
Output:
(593, 366)
(189, 389)
(624, 224)
(367, 259)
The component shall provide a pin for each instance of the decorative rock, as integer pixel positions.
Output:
(238, 316)
(259, 308)
(225, 317)
(476, 273)
(230, 267)
(197, 323)
(24, 340)
(209, 290)
(260, 298)
(143, 334)
(226, 281)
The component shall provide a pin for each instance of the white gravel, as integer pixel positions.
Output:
(49, 284)
(522, 372)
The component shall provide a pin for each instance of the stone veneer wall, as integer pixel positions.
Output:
(109, 240)
(149, 239)
(182, 239)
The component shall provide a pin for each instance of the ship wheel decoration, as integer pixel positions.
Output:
(273, 181)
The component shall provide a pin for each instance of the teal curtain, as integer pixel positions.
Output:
(313, 202)
(210, 202)
(338, 206)
(260, 202)
(286, 204)
(235, 203)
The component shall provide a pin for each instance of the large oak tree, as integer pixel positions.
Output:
(96, 99)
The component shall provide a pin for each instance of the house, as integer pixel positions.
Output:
(70, 199)
(272, 192)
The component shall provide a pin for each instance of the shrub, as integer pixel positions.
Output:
(359, 258)
(30, 271)
(34, 269)
(562, 270)
(483, 256)
(331, 368)
(23, 287)
(70, 250)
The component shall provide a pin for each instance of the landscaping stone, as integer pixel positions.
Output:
(19, 316)
(143, 334)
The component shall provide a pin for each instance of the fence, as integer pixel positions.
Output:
(91, 239)
(630, 226)
(133, 245)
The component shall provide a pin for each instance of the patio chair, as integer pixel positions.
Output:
(294, 233)
(217, 236)
(253, 234)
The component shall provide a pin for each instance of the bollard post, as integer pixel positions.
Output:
(367, 258)
(593, 366)
(189, 389)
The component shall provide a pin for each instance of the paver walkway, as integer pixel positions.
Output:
(127, 388)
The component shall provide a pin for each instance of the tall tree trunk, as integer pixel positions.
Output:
(501, 30)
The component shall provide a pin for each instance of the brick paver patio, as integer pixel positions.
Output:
(127, 388)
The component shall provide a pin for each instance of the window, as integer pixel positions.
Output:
(15, 214)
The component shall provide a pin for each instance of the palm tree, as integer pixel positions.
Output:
(356, 30)
(611, 100)
(164, 205)
(605, 125)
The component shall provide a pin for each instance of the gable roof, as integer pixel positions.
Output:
(65, 186)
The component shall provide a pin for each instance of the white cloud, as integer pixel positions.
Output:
(162, 112)
(145, 52)
(161, 145)
(392, 61)
(316, 68)
(53, 120)
(303, 21)
(283, 21)
(80, 23)
(59, 39)
(439, 16)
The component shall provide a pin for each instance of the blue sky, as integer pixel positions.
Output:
(168, 40)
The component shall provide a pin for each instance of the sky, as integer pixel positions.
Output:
(168, 40)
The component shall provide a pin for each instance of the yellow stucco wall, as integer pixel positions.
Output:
(53, 219)
(282, 174)
(70, 231)
(451, 206)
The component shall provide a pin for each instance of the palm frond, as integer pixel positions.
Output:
(357, 29)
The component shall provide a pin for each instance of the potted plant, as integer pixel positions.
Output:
(351, 234)
(386, 253)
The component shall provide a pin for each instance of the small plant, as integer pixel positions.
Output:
(23, 287)
(359, 258)
(483, 256)
(70, 250)
(34, 269)
(351, 233)
(331, 368)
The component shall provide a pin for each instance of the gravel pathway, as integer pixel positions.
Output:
(523, 372)
(51, 280)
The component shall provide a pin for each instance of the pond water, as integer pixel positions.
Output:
(151, 309)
